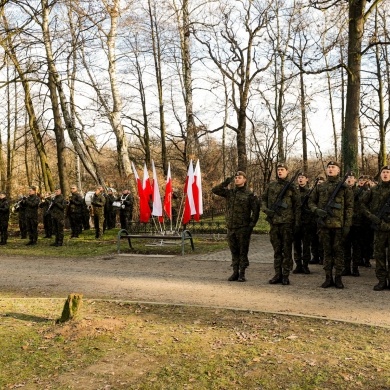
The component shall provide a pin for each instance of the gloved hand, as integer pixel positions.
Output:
(374, 219)
(228, 181)
(321, 213)
(346, 230)
(269, 213)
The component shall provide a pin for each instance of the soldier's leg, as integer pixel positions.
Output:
(244, 237)
(357, 250)
(338, 249)
(235, 252)
(275, 238)
(287, 242)
(380, 246)
(306, 253)
(35, 230)
(325, 238)
(298, 251)
(347, 255)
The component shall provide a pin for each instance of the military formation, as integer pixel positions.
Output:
(340, 222)
(103, 210)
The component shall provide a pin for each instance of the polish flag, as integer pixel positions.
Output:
(189, 206)
(137, 180)
(147, 187)
(144, 209)
(197, 192)
(168, 194)
(157, 205)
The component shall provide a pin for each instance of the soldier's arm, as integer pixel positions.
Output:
(255, 205)
(348, 207)
(221, 189)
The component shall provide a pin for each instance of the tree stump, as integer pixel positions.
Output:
(71, 308)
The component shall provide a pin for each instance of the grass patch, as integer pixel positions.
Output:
(137, 346)
(87, 246)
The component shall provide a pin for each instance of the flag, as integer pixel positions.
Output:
(189, 206)
(168, 194)
(157, 205)
(144, 209)
(137, 180)
(197, 192)
(147, 187)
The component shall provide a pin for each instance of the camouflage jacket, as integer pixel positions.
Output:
(358, 218)
(4, 210)
(75, 203)
(306, 215)
(32, 204)
(342, 213)
(57, 207)
(242, 206)
(291, 213)
(373, 201)
(97, 203)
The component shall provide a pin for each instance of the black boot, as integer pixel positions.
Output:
(355, 271)
(338, 283)
(241, 276)
(234, 275)
(380, 286)
(298, 269)
(328, 282)
(276, 279)
(285, 280)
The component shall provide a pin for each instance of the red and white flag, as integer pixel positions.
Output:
(189, 206)
(157, 204)
(197, 192)
(168, 194)
(147, 187)
(144, 209)
(137, 180)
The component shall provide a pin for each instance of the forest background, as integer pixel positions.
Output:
(87, 87)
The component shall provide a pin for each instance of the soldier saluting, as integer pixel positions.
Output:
(332, 202)
(376, 207)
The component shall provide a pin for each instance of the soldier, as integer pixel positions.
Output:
(57, 207)
(333, 225)
(109, 212)
(303, 235)
(282, 222)
(75, 212)
(374, 207)
(20, 208)
(126, 210)
(242, 213)
(32, 203)
(47, 222)
(97, 202)
(4, 218)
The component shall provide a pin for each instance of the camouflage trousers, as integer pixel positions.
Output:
(281, 237)
(381, 246)
(238, 240)
(333, 244)
(58, 229)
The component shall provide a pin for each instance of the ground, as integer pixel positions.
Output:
(195, 279)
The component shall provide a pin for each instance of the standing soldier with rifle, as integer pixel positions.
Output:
(376, 207)
(98, 202)
(303, 236)
(332, 202)
(281, 203)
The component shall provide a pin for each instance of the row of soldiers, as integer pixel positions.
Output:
(340, 222)
(103, 209)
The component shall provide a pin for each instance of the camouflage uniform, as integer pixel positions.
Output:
(58, 218)
(98, 201)
(75, 214)
(242, 213)
(282, 226)
(334, 228)
(32, 204)
(4, 218)
(372, 203)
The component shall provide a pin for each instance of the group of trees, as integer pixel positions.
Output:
(87, 86)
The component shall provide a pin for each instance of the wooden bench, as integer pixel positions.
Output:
(185, 235)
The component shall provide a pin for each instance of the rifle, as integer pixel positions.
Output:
(383, 214)
(330, 205)
(279, 204)
(307, 196)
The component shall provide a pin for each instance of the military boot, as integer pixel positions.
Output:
(241, 275)
(380, 286)
(328, 282)
(338, 283)
(234, 275)
(355, 271)
(276, 279)
(285, 280)
(298, 269)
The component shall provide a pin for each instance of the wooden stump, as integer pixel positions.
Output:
(71, 307)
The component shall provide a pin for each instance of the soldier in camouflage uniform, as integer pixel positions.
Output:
(32, 203)
(242, 213)
(4, 218)
(372, 207)
(75, 212)
(57, 207)
(333, 228)
(98, 201)
(303, 235)
(283, 222)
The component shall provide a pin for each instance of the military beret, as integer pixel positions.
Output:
(333, 163)
(387, 167)
(364, 177)
(240, 173)
(302, 174)
(33, 188)
(282, 165)
(351, 173)
(57, 188)
(321, 178)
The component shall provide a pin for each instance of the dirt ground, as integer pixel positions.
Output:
(195, 279)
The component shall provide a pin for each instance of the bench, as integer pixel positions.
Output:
(185, 235)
